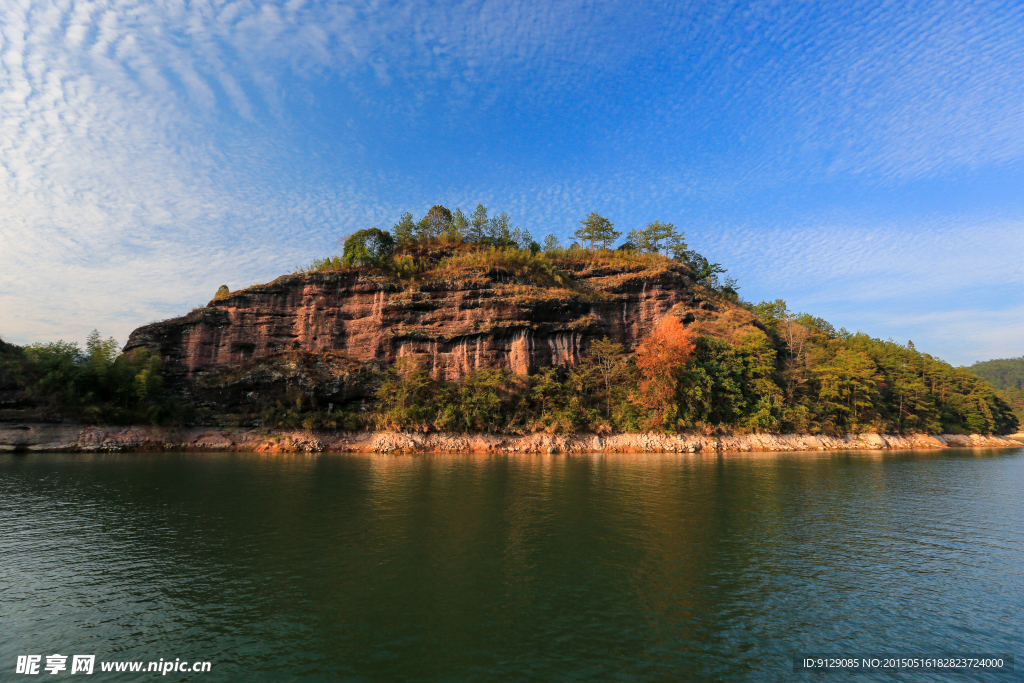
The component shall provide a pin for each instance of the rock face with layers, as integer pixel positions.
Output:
(450, 326)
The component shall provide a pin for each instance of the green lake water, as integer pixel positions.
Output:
(510, 568)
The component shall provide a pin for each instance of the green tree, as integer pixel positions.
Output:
(704, 272)
(523, 239)
(597, 230)
(101, 352)
(848, 385)
(552, 402)
(551, 243)
(730, 289)
(405, 397)
(499, 230)
(55, 368)
(632, 237)
(711, 391)
(1002, 373)
(909, 397)
(148, 383)
(405, 230)
(1006, 375)
(368, 247)
(438, 220)
(100, 385)
(460, 226)
(772, 313)
(655, 237)
(478, 224)
(675, 246)
(606, 357)
(764, 398)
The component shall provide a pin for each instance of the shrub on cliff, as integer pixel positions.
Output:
(526, 266)
(322, 264)
(570, 259)
(405, 398)
(415, 247)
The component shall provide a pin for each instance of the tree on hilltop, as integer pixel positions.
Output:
(404, 230)
(478, 224)
(597, 230)
(437, 222)
(657, 236)
(675, 244)
(368, 247)
(499, 230)
(459, 227)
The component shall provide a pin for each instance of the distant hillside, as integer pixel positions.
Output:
(1002, 373)
(1007, 375)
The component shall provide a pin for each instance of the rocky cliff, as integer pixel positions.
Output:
(449, 324)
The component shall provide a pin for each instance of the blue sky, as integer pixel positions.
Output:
(863, 161)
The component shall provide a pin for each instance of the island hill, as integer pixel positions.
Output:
(459, 332)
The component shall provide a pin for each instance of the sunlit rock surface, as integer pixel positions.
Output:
(451, 326)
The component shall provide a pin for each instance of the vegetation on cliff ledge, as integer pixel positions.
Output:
(451, 244)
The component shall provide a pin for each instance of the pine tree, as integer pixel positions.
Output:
(438, 220)
(499, 231)
(657, 236)
(459, 227)
(404, 230)
(597, 230)
(478, 224)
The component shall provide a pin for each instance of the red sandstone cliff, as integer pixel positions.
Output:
(451, 324)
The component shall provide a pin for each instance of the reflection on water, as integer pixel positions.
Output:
(469, 567)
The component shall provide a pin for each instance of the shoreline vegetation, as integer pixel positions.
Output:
(34, 438)
(755, 369)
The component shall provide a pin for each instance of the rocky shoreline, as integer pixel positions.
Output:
(38, 437)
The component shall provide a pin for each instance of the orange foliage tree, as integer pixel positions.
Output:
(661, 360)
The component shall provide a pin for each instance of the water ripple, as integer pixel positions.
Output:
(480, 568)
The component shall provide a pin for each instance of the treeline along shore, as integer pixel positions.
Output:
(460, 324)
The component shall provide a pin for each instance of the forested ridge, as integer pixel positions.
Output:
(1006, 375)
(758, 368)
